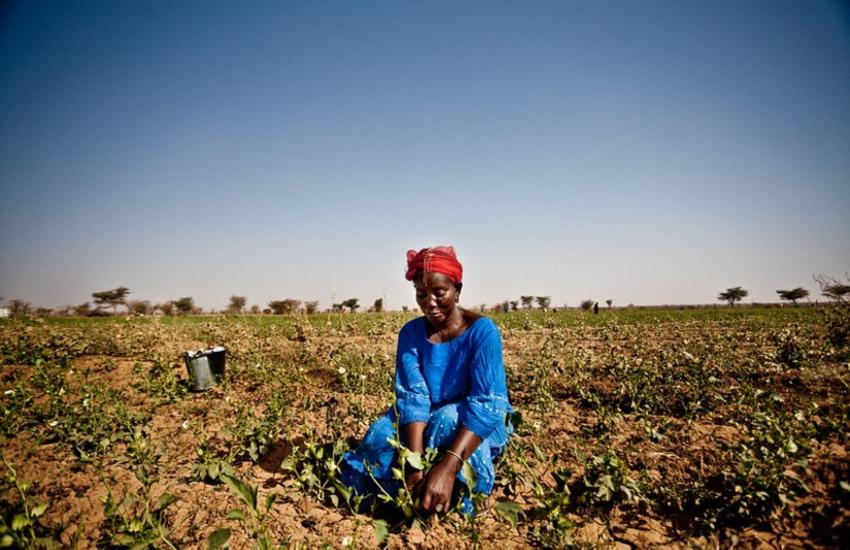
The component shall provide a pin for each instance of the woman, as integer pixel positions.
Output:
(450, 390)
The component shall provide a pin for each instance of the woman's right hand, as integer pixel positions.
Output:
(413, 479)
(435, 491)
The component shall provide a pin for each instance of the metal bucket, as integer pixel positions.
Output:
(206, 367)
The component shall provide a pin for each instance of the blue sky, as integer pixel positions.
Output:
(647, 152)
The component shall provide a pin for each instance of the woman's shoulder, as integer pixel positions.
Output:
(480, 325)
(412, 327)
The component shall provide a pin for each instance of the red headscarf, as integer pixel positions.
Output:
(439, 259)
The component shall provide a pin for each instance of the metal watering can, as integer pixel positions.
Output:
(206, 367)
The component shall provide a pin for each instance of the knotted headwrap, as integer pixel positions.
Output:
(439, 259)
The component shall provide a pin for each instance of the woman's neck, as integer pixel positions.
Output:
(454, 324)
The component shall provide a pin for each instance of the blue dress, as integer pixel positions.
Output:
(460, 382)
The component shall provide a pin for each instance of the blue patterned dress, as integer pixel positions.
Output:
(459, 382)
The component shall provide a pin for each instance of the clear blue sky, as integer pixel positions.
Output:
(647, 152)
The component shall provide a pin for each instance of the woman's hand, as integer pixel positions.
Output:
(413, 479)
(435, 491)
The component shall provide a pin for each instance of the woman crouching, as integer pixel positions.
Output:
(451, 395)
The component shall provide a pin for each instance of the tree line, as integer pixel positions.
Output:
(106, 302)
(830, 288)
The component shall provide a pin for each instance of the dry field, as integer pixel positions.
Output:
(709, 428)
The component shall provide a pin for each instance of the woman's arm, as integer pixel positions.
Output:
(413, 402)
(436, 491)
(412, 438)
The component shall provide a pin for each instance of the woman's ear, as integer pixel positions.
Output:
(458, 288)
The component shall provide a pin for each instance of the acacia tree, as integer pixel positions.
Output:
(586, 304)
(185, 305)
(284, 307)
(352, 304)
(19, 308)
(543, 302)
(139, 307)
(836, 291)
(311, 306)
(514, 305)
(732, 295)
(237, 304)
(833, 288)
(793, 295)
(609, 301)
(378, 306)
(527, 301)
(112, 297)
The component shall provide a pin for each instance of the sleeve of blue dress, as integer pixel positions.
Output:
(487, 403)
(413, 399)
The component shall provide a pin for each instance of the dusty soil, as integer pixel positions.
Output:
(578, 408)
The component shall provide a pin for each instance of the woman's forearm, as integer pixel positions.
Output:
(464, 444)
(412, 436)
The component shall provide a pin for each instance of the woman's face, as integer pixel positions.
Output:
(437, 297)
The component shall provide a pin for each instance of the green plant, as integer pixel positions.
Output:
(209, 466)
(21, 526)
(607, 481)
(255, 519)
(252, 437)
(16, 411)
(315, 470)
(791, 348)
(550, 527)
(160, 382)
(134, 522)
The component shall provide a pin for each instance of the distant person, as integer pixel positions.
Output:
(596, 308)
(450, 395)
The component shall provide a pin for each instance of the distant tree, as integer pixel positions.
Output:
(793, 295)
(139, 307)
(19, 308)
(514, 305)
(543, 302)
(337, 308)
(405, 309)
(527, 301)
(237, 304)
(609, 301)
(255, 309)
(185, 305)
(167, 308)
(311, 306)
(833, 288)
(267, 311)
(64, 311)
(113, 297)
(836, 291)
(586, 304)
(43, 312)
(284, 307)
(352, 304)
(98, 312)
(732, 295)
(378, 306)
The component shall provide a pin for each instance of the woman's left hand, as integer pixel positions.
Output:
(435, 491)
